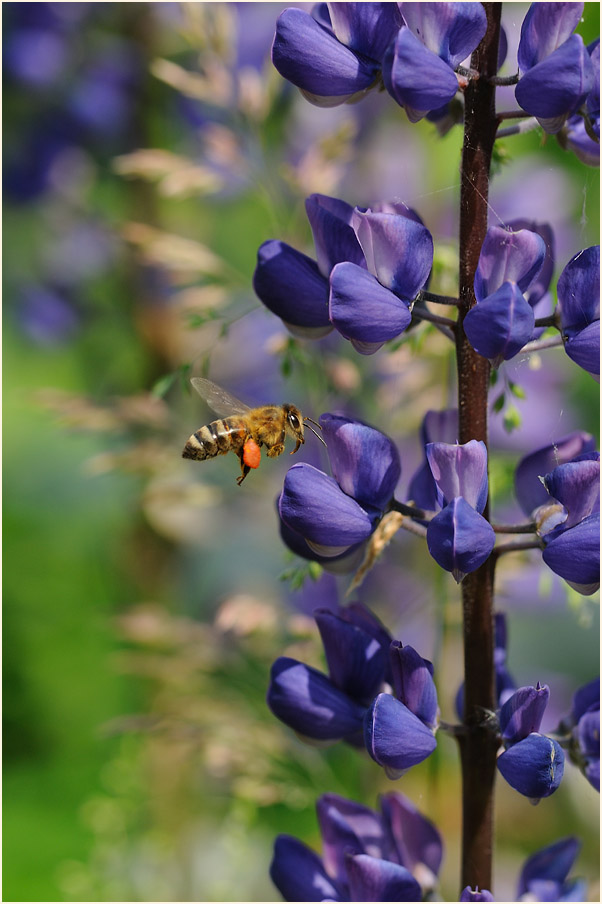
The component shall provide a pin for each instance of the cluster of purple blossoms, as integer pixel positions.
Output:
(349, 704)
(369, 282)
(380, 694)
(330, 518)
(341, 51)
(327, 517)
(371, 265)
(395, 855)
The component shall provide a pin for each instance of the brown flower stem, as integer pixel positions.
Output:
(478, 745)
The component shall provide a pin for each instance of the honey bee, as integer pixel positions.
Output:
(244, 430)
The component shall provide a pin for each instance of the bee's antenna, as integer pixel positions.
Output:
(315, 433)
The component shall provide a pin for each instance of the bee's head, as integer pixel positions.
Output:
(295, 426)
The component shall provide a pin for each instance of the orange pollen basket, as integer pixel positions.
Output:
(251, 454)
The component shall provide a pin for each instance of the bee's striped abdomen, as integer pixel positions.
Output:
(216, 438)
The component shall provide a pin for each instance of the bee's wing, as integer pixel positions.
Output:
(219, 399)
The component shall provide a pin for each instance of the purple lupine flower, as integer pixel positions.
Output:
(309, 703)
(579, 306)
(333, 514)
(592, 104)
(37, 41)
(343, 563)
(502, 320)
(544, 875)
(331, 708)
(529, 488)
(367, 856)
(575, 554)
(532, 763)
(458, 537)
(370, 307)
(587, 737)
(570, 527)
(575, 135)
(47, 314)
(279, 268)
(522, 713)
(371, 879)
(298, 873)
(469, 894)
(538, 293)
(440, 427)
(534, 766)
(583, 726)
(459, 470)
(295, 287)
(332, 226)
(505, 684)
(399, 731)
(371, 265)
(334, 55)
(102, 98)
(414, 841)
(419, 67)
(412, 679)
(28, 165)
(576, 486)
(557, 72)
(394, 737)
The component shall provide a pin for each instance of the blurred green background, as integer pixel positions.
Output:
(143, 595)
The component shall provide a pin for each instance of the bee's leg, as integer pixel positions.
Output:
(276, 450)
(243, 467)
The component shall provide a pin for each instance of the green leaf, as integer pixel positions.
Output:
(163, 385)
(197, 319)
(184, 372)
(499, 403)
(315, 570)
(512, 418)
(516, 390)
(298, 574)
